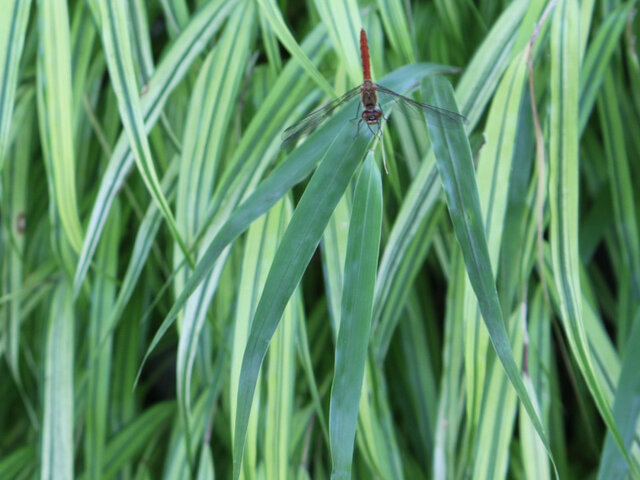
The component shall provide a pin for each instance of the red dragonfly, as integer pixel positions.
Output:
(371, 110)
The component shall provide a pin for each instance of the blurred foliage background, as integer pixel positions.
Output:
(182, 299)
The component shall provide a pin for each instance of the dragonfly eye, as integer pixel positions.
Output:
(371, 116)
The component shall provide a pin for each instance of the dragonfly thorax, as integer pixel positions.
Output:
(369, 98)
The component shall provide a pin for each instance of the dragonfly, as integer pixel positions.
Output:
(369, 92)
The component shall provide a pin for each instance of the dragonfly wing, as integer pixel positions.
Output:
(315, 118)
(414, 108)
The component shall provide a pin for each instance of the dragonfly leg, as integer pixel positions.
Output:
(358, 127)
(357, 114)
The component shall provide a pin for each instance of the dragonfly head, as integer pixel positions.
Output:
(372, 116)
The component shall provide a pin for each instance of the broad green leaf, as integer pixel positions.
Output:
(294, 253)
(355, 320)
(450, 406)
(334, 251)
(15, 178)
(376, 438)
(55, 112)
(455, 165)
(538, 358)
(99, 382)
(56, 436)
(205, 467)
(280, 375)
(263, 238)
(498, 414)
(493, 172)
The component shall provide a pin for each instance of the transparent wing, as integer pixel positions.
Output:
(413, 107)
(315, 118)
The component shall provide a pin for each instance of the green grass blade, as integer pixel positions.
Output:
(211, 86)
(135, 436)
(563, 196)
(586, 18)
(538, 358)
(141, 44)
(474, 91)
(334, 250)
(451, 397)
(396, 24)
(281, 373)
(418, 387)
(85, 65)
(304, 355)
(205, 466)
(13, 28)
(142, 245)
(55, 111)
(15, 178)
(357, 305)
(597, 59)
(605, 358)
(455, 165)
(626, 410)
(210, 110)
(343, 22)
(407, 246)
(102, 300)
(620, 178)
(117, 48)
(167, 76)
(262, 240)
(493, 172)
(176, 14)
(376, 439)
(271, 12)
(177, 464)
(491, 60)
(495, 428)
(261, 141)
(56, 437)
(290, 172)
(22, 461)
(294, 253)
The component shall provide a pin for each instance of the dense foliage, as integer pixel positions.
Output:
(184, 297)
